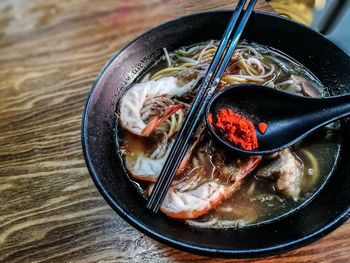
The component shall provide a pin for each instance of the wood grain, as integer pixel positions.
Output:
(50, 54)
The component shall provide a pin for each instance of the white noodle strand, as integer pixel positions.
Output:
(286, 82)
(253, 61)
(190, 60)
(203, 50)
(255, 77)
(167, 57)
(208, 223)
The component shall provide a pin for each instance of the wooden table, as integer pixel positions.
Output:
(50, 53)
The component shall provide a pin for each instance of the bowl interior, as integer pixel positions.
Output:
(329, 209)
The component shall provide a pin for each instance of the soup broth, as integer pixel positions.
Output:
(212, 187)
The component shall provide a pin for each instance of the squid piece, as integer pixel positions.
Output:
(137, 98)
(195, 196)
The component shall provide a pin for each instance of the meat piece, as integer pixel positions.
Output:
(272, 156)
(288, 170)
(300, 84)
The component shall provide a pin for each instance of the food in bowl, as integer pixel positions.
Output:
(236, 129)
(213, 187)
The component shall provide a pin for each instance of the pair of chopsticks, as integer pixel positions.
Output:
(216, 69)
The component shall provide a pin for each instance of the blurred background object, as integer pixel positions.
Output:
(329, 17)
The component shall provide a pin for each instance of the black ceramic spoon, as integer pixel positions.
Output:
(289, 118)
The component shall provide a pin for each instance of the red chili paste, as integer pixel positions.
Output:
(237, 129)
(262, 127)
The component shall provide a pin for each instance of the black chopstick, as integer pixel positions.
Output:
(206, 89)
(201, 90)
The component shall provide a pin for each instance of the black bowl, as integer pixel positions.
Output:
(323, 214)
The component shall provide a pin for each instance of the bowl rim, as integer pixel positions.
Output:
(196, 249)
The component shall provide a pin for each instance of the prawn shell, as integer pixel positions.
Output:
(152, 178)
(145, 168)
(133, 99)
(222, 193)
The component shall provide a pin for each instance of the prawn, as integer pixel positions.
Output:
(195, 196)
(147, 167)
(144, 106)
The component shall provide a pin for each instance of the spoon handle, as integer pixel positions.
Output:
(318, 112)
(330, 108)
